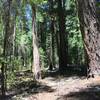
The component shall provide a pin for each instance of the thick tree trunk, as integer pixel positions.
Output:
(52, 28)
(6, 47)
(62, 35)
(36, 56)
(90, 29)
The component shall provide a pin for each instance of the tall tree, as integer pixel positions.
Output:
(36, 55)
(6, 48)
(90, 28)
(9, 18)
(52, 28)
(36, 67)
(62, 36)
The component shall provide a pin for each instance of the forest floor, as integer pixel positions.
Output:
(55, 88)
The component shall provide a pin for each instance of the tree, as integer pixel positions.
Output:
(52, 28)
(62, 36)
(36, 55)
(9, 22)
(6, 48)
(90, 28)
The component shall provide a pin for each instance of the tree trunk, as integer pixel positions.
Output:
(90, 28)
(6, 47)
(36, 55)
(62, 35)
(52, 28)
(14, 35)
(52, 64)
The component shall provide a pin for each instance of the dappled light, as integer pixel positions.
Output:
(49, 49)
(89, 93)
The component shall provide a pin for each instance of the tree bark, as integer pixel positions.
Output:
(6, 48)
(52, 28)
(62, 35)
(36, 55)
(90, 28)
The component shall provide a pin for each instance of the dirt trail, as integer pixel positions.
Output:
(72, 88)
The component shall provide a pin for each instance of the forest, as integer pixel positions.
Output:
(49, 49)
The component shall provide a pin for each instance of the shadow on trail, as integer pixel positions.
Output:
(90, 93)
(71, 70)
(25, 88)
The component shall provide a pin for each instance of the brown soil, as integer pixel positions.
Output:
(68, 88)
